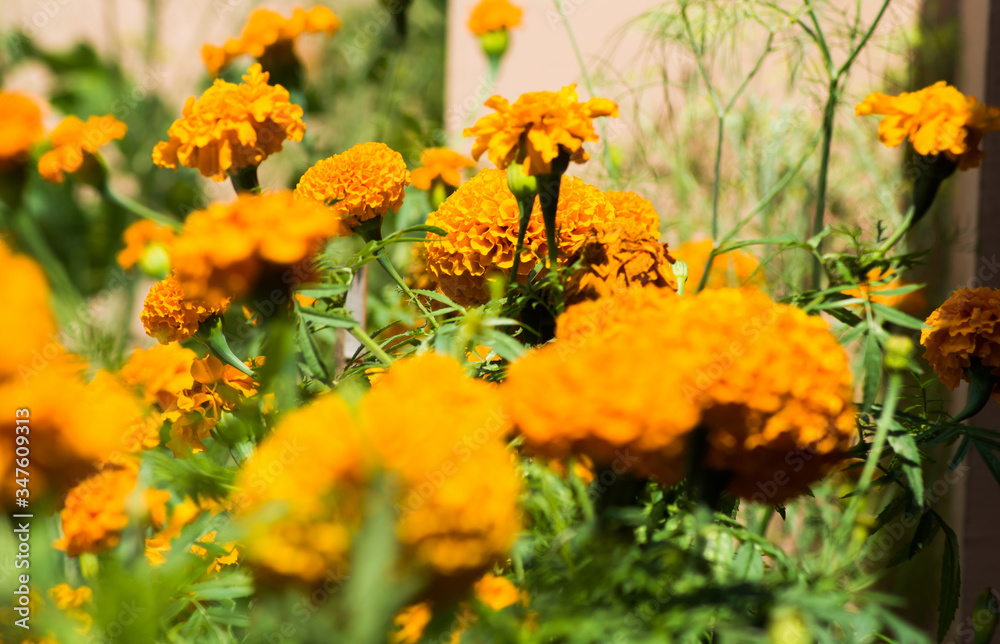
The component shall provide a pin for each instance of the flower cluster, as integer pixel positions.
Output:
(268, 30)
(365, 182)
(937, 119)
(537, 127)
(231, 127)
(455, 528)
(481, 221)
(20, 128)
(493, 15)
(170, 317)
(760, 380)
(225, 250)
(965, 331)
(73, 140)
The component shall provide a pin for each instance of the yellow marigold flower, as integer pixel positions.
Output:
(224, 250)
(538, 125)
(639, 211)
(363, 183)
(170, 317)
(494, 15)
(936, 119)
(878, 280)
(481, 220)
(314, 484)
(268, 30)
(73, 426)
(194, 412)
(735, 268)
(20, 127)
(142, 236)
(231, 127)
(30, 334)
(72, 601)
(763, 380)
(965, 329)
(73, 140)
(467, 519)
(441, 164)
(160, 373)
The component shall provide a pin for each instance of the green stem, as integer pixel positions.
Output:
(140, 210)
(525, 206)
(245, 180)
(829, 113)
(371, 345)
(896, 236)
(383, 261)
(548, 197)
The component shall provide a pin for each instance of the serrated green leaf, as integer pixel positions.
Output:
(989, 458)
(328, 318)
(898, 317)
(951, 580)
(906, 447)
(873, 370)
(307, 345)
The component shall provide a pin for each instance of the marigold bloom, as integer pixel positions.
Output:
(363, 183)
(936, 119)
(763, 380)
(266, 30)
(226, 249)
(170, 317)
(494, 15)
(24, 336)
(140, 237)
(965, 329)
(231, 127)
(735, 268)
(463, 525)
(481, 220)
(20, 127)
(73, 426)
(160, 373)
(73, 140)
(496, 592)
(538, 125)
(440, 164)
(877, 281)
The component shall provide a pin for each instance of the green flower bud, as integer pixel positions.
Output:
(495, 42)
(680, 270)
(898, 350)
(522, 186)
(155, 261)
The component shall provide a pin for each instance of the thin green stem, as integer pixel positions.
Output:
(371, 345)
(819, 37)
(383, 260)
(525, 206)
(719, 137)
(140, 210)
(896, 236)
(829, 114)
(864, 40)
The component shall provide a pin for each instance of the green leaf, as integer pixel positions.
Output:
(323, 290)
(986, 604)
(926, 530)
(873, 370)
(989, 458)
(902, 290)
(906, 447)
(327, 318)
(224, 586)
(787, 238)
(307, 344)
(898, 317)
(424, 228)
(951, 580)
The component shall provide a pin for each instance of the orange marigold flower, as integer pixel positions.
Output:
(735, 268)
(73, 140)
(496, 592)
(160, 373)
(170, 317)
(28, 335)
(95, 514)
(74, 426)
(494, 15)
(461, 526)
(761, 379)
(964, 330)
(142, 236)
(20, 127)
(537, 126)
(195, 411)
(224, 250)
(266, 30)
(363, 183)
(877, 281)
(936, 119)
(442, 164)
(481, 220)
(231, 127)
(637, 210)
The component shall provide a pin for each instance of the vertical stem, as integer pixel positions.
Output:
(525, 206)
(371, 345)
(829, 113)
(245, 180)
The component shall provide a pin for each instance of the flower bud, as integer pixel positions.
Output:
(523, 186)
(495, 42)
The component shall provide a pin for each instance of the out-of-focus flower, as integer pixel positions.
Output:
(496, 592)
(878, 280)
(170, 317)
(440, 164)
(459, 528)
(20, 127)
(936, 119)
(762, 380)
(365, 182)
(267, 31)
(231, 127)
(74, 140)
(481, 222)
(24, 335)
(494, 15)
(225, 250)
(146, 243)
(536, 127)
(964, 330)
(160, 373)
(735, 268)
(73, 601)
